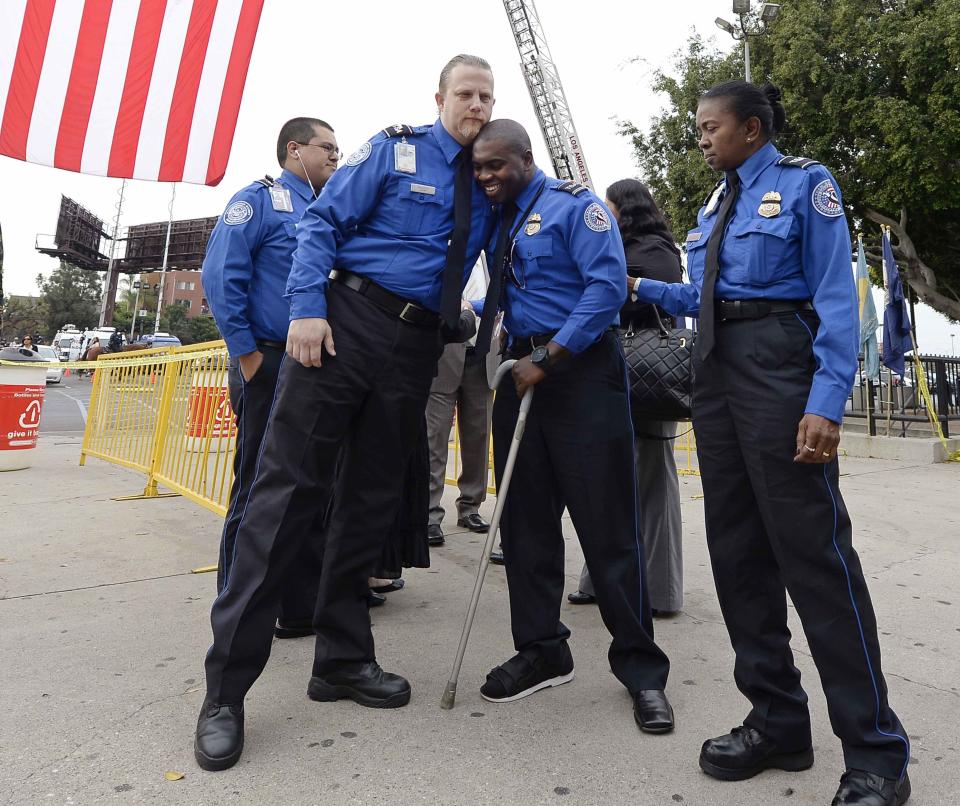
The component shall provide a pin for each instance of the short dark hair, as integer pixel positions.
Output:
(300, 130)
(509, 132)
(638, 212)
(464, 59)
(747, 101)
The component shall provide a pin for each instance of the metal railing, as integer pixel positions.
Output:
(166, 413)
(895, 406)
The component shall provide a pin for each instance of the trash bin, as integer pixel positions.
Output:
(21, 400)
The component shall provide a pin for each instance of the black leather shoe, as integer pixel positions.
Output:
(744, 752)
(375, 599)
(474, 523)
(581, 598)
(496, 557)
(392, 587)
(219, 738)
(434, 535)
(364, 683)
(652, 711)
(859, 788)
(293, 628)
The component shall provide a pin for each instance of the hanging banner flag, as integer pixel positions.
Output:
(140, 89)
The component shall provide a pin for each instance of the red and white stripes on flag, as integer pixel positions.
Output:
(142, 89)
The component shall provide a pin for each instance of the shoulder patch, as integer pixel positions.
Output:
(825, 200)
(240, 212)
(398, 130)
(797, 162)
(574, 188)
(596, 218)
(360, 155)
(267, 181)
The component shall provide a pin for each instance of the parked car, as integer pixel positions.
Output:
(159, 339)
(48, 353)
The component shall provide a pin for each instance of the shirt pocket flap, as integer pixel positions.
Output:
(419, 192)
(535, 247)
(778, 227)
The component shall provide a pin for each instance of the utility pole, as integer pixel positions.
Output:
(166, 254)
(110, 281)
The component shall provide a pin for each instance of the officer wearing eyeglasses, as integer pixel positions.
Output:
(559, 273)
(244, 276)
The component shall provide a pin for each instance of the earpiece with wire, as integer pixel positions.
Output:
(306, 174)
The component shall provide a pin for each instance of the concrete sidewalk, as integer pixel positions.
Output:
(103, 631)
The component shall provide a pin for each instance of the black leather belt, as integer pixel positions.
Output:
(410, 312)
(274, 345)
(728, 309)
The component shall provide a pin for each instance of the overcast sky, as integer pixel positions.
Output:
(365, 66)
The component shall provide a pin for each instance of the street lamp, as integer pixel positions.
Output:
(768, 13)
(952, 350)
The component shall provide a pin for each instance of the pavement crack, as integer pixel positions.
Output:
(94, 587)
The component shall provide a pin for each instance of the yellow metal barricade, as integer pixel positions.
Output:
(166, 413)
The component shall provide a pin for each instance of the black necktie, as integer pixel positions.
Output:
(453, 269)
(491, 303)
(705, 334)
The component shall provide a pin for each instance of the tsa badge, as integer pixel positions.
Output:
(596, 218)
(825, 200)
(770, 204)
(533, 224)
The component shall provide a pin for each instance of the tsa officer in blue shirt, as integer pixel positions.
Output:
(558, 271)
(775, 358)
(244, 278)
(382, 258)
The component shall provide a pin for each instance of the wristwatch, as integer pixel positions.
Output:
(540, 358)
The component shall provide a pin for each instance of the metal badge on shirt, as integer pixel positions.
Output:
(280, 198)
(405, 157)
(770, 204)
(533, 224)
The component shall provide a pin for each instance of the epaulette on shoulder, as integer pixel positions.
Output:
(574, 188)
(267, 181)
(797, 162)
(398, 130)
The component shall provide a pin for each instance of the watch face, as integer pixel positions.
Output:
(540, 356)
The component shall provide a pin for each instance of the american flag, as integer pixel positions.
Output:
(142, 89)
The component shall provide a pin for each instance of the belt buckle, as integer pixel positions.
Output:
(403, 314)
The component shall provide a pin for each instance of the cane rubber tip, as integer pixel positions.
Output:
(448, 698)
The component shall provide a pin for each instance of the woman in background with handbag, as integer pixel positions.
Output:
(651, 253)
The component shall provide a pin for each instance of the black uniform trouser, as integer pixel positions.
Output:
(251, 401)
(369, 398)
(577, 452)
(776, 527)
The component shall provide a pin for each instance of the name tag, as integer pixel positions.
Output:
(428, 190)
(694, 236)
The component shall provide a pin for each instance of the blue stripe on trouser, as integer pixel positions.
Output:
(856, 610)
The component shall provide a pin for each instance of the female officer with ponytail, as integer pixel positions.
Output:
(775, 358)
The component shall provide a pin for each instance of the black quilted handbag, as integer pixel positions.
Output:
(660, 371)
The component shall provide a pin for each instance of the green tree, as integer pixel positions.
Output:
(69, 294)
(174, 320)
(871, 89)
(21, 315)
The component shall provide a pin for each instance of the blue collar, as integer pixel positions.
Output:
(451, 148)
(295, 183)
(532, 189)
(757, 163)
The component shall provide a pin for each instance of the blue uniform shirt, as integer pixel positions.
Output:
(801, 253)
(247, 262)
(386, 224)
(569, 273)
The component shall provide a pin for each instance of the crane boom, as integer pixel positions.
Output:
(546, 92)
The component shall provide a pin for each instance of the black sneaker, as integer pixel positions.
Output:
(520, 677)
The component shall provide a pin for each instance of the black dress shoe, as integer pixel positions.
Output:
(219, 738)
(652, 711)
(395, 585)
(375, 599)
(859, 788)
(434, 535)
(364, 683)
(496, 557)
(581, 598)
(293, 628)
(474, 523)
(744, 752)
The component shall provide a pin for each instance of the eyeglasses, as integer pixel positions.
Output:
(331, 149)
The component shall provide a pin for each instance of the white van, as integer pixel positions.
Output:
(67, 342)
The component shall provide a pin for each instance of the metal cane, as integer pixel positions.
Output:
(450, 692)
